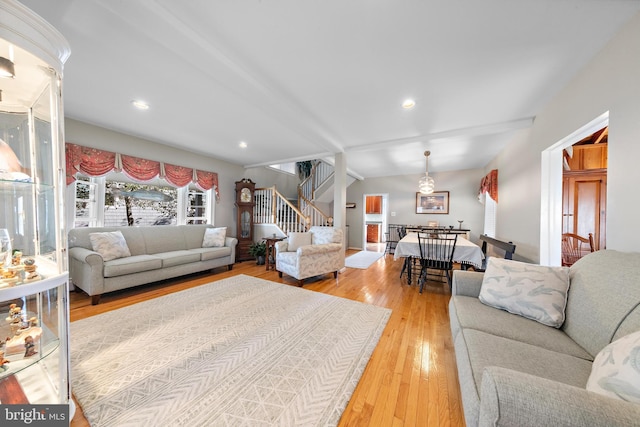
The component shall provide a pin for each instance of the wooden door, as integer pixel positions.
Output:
(584, 204)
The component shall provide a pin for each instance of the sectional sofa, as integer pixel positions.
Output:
(156, 253)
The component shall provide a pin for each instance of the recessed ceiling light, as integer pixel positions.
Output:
(242, 144)
(141, 105)
(408, 104)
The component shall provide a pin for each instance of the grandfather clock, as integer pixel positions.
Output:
(244, 222)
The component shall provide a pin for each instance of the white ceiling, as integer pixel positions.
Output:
(302, 79)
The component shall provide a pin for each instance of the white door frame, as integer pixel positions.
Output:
(551, 190)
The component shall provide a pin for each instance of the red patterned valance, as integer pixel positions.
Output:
(489, 184)
(94, 162)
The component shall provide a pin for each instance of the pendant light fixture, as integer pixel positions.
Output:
(426, 185)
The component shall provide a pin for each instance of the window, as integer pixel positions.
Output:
(118, 201)
(490, 211)
(196, 207)
(128, 203)
(86, 204)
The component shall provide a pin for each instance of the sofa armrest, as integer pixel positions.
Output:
(88, 256)
(466, 283)
(86, 269)
(230, 241)
(511, 398)
(318, 249)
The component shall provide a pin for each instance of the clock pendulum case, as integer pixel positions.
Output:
(244, 221)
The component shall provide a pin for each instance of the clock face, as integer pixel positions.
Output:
(245, 195)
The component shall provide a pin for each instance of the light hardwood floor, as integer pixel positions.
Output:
(411, 379)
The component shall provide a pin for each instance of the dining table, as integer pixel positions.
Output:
(466, 253)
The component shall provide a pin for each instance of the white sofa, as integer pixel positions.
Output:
(323, 255)
(157, 253)
(514, 371)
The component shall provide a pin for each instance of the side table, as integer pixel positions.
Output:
(271, 249)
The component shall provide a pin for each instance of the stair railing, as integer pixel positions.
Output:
(273, 208)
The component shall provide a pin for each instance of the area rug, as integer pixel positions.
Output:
(239, 351)
(362, 259)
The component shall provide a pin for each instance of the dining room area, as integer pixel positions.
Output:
(430, 253)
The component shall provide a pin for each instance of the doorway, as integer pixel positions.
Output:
(374, 222)
(551, 194)
(584, 188)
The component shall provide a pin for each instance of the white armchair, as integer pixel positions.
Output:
(318, 251)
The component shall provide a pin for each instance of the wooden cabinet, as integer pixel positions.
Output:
(588, 157)
(584, 204)
(374, 205)
(373, 233)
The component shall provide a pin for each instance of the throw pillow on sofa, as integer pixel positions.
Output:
(297, 239)
(110, 244)
(533, 291)
(616, 369)
(214, 237)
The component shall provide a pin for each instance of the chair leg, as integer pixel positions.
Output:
(300, 283)
(279, 273)
(423, 278)
(335, 274)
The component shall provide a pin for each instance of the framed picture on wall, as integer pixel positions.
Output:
(434, 203)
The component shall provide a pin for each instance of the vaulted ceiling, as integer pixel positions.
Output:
(297, 80)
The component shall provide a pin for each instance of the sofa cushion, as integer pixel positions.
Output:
(297, 240)
(214, 237)
(132, 264)
(169, 259)
(212, 253)
(604, 298)
(163, 238)
(534, 291)
(483, 350)
(469, 312)
(322, 235)
(616, 370)
(110, 244)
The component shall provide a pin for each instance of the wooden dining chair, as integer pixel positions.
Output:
(575, 247)
(436, 253)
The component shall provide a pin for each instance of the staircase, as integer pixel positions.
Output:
(273, 208)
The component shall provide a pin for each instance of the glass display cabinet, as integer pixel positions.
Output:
(34, 305)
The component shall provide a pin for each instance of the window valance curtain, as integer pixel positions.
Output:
(489, 184)
(94, 162)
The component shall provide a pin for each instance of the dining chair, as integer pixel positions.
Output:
(392, 237)
(436, 253)
(575, 247)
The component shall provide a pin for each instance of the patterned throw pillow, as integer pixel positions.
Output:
(110, 245)
(214, 237)
(616, 369)
(533, 291)
(297, 239)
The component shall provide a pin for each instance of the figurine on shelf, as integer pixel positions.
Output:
(3, 361)
(16, 258)
(29, 346)
(30, 270)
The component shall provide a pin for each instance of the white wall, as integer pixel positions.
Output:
(463, 203)
(610, 82)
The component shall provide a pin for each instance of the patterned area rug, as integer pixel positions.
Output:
(237, 352)
(362, 259)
